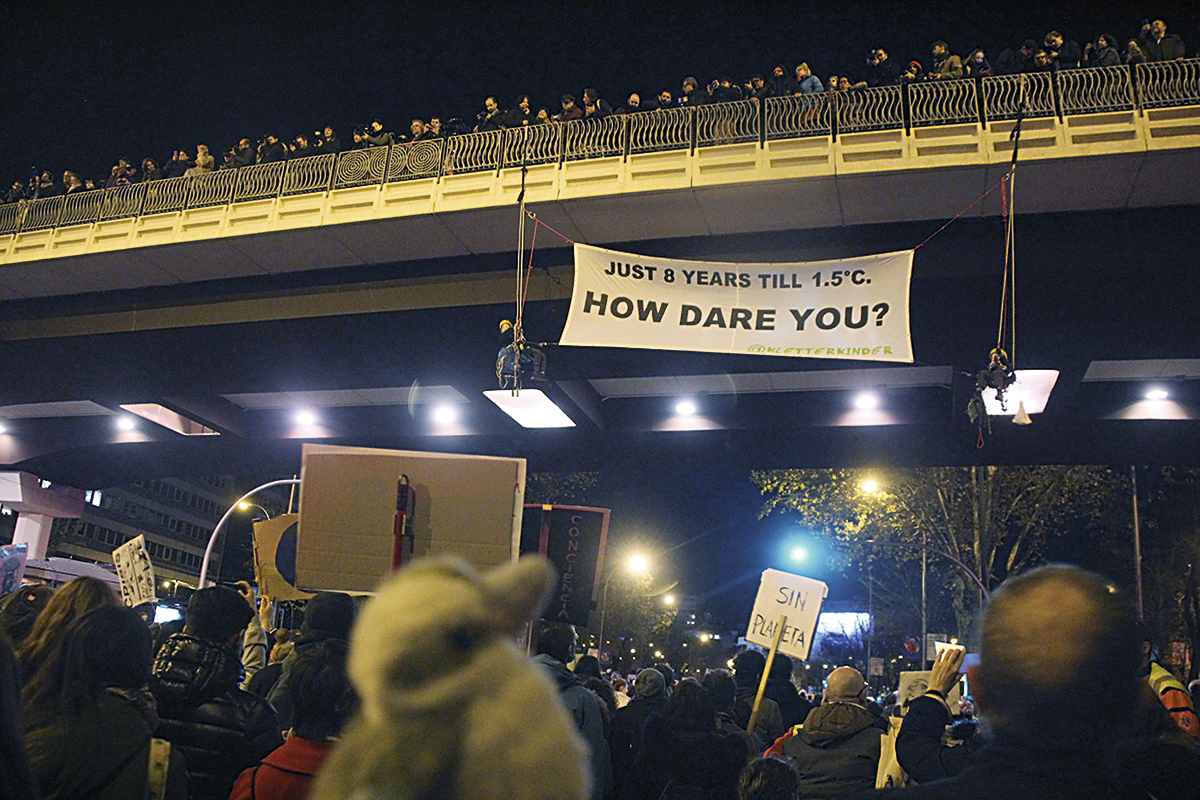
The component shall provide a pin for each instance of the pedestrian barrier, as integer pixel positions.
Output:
(1077, 98)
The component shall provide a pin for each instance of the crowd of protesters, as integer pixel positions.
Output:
(96, 701)
(1055, 52)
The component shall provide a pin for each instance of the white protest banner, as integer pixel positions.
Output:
(853, 308)
(12, 566)
(781, 594)
(940, 646)
(135, 572)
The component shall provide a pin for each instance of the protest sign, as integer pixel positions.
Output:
(783, 595)
(940, 646)
(853, 308)
(914, 684)
(275, 558)
(135, 572)
(572, 538)
(12, 566)
(467, 505)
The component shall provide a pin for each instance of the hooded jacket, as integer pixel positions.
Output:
(836, 751)
(221, 728)
(584, 708)
(676, 755)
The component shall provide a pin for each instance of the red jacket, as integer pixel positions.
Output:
(286, 774)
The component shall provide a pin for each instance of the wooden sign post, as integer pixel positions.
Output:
(762, 684)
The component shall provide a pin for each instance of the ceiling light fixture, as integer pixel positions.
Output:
(445, 415)
(866, 400)
(304, 417)
(126, 423)
(1157, 394)
(685, 408)
(531, 408)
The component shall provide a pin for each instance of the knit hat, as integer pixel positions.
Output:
(649, 682)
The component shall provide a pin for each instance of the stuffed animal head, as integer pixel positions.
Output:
(425, 640)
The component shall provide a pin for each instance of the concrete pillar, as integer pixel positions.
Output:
(33, 529)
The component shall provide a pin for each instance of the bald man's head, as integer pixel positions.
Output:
(844, 684)
(1052, 638)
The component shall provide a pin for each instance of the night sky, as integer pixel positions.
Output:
(87, 83)
(84, 84)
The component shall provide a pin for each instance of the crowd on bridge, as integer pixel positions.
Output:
(96, 701)
(1055, 52)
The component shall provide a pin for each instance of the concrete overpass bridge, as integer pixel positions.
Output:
(366, 288)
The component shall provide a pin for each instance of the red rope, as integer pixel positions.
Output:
(959, 214)
(534, 217)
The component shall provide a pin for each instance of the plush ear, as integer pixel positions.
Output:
(520, 589)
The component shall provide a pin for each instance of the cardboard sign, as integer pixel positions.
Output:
(12, 566)
(781, 594)
(852, 308)
(275, 558)
(914, 684)
(940, 646)
(466, 505)
(135, 571)
(573, 539)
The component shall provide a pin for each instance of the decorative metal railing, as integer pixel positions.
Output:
(360, 167)
(1003, 96)
(942, 103)
(532, 144)
(1082, 91)
(472, 152)
(661, 130)
(308, 174)
(212, 188)
(794, 117)
(1169, 83)
(43, 213)
(80, 207)
(594, 138)
(727, 123)
(123, 201)
(1086, 91)
(166, 195)
(869, 109)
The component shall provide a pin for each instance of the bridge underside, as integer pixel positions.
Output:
(1106, 297)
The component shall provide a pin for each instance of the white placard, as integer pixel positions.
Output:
(781, 594)
(135, 572)
(852, 308)
(940, 646)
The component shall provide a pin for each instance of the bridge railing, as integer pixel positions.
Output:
(660, 130)
(869, 109)
(728, 123)
(795, 117)
(1087, 91)
(942, 103)
(594, 138)
(1169, 83)
(1004, 95)
(994, 98)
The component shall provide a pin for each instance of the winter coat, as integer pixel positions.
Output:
(1103, 57)
(221, 728)
(674, 755)
(836, 751)
(277, 692)
(286, 774)
(769, 726)
(101, 753)
(626, 733)
(919, 747)
(584, 709)
(1169, 48)
(793, 708)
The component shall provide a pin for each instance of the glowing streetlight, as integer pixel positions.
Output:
(638, 564)
(799, 553)
(870, 486)
(704, 637)
(669, 599)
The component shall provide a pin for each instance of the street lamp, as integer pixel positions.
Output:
(246, 505)
(637, 564)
